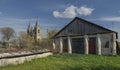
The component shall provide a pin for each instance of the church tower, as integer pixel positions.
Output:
(29, 30)
(37, 31)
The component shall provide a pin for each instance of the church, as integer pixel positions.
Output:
(35, 31)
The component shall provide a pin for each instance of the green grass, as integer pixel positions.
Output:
(119, 44)
(69, 62)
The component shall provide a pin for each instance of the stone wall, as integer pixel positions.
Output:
(107, 43)
(18, 59)
(104, 39)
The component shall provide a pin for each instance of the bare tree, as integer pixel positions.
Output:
(22, 38)
(25, 41)
(51, 33)
(7, 33)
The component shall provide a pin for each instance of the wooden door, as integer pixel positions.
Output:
(78, 45)
(92, 45)
(65, 45)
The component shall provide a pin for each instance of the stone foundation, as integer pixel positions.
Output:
(14, 60)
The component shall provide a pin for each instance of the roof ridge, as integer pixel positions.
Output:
(84, 21)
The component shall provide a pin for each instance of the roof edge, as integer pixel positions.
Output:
(84, 21)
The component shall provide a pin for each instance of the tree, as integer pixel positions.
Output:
(22, 38)
(51, 33)
(7, 33)
(48, 40)
(25, 41)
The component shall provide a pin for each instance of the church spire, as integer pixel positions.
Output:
(29, 30)
(37, 31)
(37, 23)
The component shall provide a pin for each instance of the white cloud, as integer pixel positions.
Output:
(68, 13)
(110, 19)
(83, 10)
(0, 13)
(72, 11)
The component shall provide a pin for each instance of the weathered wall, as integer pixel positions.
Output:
(57, 44)
(18, 60)
(104, 39)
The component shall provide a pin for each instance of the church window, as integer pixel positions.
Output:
(38, 31)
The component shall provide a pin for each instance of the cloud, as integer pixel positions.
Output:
(0, 13)
(83, 10)
(110, 19)
(68, 13)
(72, 11)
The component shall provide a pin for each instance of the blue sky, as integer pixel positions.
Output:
(57, 13)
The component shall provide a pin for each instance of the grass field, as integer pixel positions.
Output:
(69, 62)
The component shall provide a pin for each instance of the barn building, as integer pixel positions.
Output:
(84, 37)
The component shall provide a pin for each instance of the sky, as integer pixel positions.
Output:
(55, 14)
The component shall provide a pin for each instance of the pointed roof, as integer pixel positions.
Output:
(86, 22)
(29, 28)
(37, 23)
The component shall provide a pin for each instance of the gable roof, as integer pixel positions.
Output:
(87, 22)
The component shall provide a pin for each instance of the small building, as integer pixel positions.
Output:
(84, 37)
(35, 31)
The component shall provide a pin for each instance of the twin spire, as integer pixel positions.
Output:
(30, 27)
(36, 25)
(35, 31)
